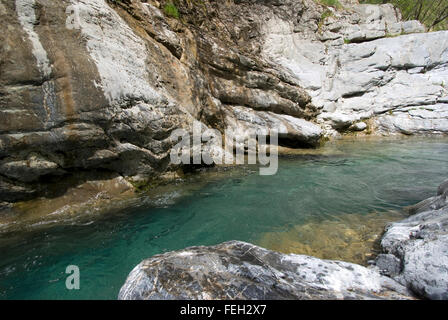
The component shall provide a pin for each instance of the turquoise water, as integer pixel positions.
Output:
(348, 177)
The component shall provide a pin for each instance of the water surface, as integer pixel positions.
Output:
(331, 190)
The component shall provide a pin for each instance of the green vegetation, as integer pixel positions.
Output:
(331, 3)
(432, 13)
(326, 14)
(171, 10)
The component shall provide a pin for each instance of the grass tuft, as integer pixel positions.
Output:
(171, 10)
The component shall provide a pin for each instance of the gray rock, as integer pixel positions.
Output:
(105, 91)
(244, 120)
(388, 264)
(413, 26)
(420, 242)
(361, 78)
(238, 270)
(359, 126)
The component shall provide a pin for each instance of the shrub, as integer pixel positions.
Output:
(170, 10)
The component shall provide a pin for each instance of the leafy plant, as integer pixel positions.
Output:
(171, 10)
(326, 14)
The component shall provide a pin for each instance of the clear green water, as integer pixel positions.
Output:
(361, 177)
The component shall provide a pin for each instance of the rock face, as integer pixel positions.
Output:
(357, 68)
(238, 270)
(420, 246)
(98, 85)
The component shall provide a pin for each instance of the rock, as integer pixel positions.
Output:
(91, 196)
(421, 120)
(443, 189)
(238, 270)
(359, 126)
(244, 121)
(420, 242)
(415, 256)
(30, 169)
(388, 264)
(412, 26)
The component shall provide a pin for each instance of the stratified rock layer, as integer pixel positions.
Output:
(100, 86)
(365, 68)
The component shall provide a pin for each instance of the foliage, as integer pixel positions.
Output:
(171, 10)
(326, 14)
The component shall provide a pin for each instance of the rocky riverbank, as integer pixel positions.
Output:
(414, 265)
(416, 249)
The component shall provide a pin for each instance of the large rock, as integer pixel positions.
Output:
(238, 270)
(420, 242)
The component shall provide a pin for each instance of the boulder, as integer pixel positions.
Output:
(239, 270)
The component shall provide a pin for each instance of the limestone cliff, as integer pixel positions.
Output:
(91, 87)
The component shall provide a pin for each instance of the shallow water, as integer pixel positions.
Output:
(344, 184)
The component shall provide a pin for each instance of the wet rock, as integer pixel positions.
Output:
(238, 270)
(91, 196)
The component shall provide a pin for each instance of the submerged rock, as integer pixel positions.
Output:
(349, 237)
(239, 270)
